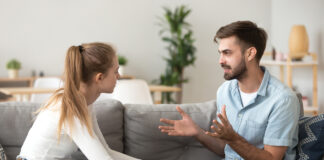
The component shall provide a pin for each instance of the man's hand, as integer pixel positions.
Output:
(187, 127)
(223, 130)
(184, 127)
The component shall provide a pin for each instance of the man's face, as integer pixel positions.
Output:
(231, 58)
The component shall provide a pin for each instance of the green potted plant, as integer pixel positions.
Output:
(13, 67)
(122, 63)
(177, 34)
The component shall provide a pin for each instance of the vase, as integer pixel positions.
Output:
(13, 73)
(298, 42)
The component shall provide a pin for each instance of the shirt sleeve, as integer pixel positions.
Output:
(114, 154)
(90, 146)
(94, 147)
(97, 131)
(282, 128)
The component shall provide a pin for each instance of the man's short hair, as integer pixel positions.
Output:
(248, 35)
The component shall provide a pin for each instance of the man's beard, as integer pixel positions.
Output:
(237, 73)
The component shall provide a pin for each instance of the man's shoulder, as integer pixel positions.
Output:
(284, 98)
(278, 89)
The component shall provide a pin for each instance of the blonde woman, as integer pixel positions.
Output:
(67, 121)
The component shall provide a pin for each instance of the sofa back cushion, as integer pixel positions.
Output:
(16, 118)
(110, 116)
(144, 140)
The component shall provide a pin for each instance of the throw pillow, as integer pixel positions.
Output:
(2, 154)
(311, 138)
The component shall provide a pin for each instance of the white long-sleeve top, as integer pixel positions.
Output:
(42, 142)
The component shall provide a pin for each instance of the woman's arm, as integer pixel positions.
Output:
(114, 154)
(90, 146)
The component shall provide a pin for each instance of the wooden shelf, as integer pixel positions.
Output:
(311, 109)
(289, 65)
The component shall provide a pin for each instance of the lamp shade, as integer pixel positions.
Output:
(298, 42)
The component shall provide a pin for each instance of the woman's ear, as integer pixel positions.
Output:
(98, 77)
(251, 53)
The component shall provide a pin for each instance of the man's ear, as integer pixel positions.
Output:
(251, 53)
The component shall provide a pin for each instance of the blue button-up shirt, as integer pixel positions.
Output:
(269, 119)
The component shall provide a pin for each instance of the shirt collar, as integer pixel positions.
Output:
(263, 87)
(265, 81)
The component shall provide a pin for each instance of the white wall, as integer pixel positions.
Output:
(207, 18)
(286, 13)
(38, 33)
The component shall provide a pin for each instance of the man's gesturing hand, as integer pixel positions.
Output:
(224, 129)
(184, 127)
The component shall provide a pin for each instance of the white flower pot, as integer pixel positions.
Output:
(121, 70)
(13, 73)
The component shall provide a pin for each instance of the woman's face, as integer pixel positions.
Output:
(109, 79)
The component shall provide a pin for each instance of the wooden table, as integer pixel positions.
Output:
(21, 81)
(23, 93)
(30, 80)
(157, 91)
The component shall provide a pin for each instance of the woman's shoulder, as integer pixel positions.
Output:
(51, 107)
(48, 116)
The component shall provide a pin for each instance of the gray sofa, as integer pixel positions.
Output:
(131, 128)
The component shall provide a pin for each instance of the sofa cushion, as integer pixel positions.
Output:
(144, 140)
(311, 138)
(16, 118)
(110, 117)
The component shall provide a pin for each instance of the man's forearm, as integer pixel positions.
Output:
(214, 144)
(248, 151)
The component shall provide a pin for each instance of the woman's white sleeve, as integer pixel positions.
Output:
(116, 155)
(90, 146)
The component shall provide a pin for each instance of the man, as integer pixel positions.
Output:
(258, 118)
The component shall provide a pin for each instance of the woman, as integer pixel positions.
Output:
(67, 121)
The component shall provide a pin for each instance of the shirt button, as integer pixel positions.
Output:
(240, 115)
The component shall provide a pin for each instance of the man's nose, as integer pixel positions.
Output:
(221, 59)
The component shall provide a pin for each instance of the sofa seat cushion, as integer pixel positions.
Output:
(144, 140)
(311, 138)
